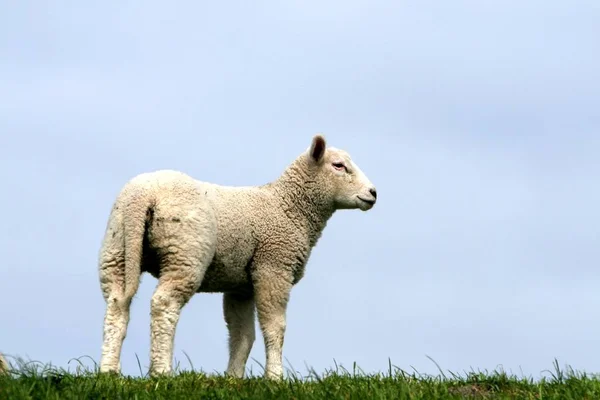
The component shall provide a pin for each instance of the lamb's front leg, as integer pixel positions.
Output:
(239, 316)
(271, 293)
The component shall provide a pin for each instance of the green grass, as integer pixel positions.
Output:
(34, 381)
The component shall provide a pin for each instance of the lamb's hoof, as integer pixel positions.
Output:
(160, 373)
(109, 372)
(234, 375)
(274, 376)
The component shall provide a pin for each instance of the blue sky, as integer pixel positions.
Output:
(477, 121)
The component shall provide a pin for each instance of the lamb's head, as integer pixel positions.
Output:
(340, 181)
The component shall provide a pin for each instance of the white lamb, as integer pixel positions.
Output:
(250, 243)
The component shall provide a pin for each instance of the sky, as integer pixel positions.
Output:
(478, 121)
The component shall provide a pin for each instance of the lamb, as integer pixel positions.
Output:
(250, 243)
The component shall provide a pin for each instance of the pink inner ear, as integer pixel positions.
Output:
(318, 148)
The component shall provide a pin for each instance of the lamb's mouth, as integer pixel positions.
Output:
(369, 202)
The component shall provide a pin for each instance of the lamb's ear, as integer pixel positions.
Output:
(317, 148)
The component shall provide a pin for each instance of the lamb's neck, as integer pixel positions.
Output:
(303, 200)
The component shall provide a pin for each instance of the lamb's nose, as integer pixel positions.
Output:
(373, 192)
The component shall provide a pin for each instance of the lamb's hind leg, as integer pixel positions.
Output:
(180, 277)
(116, 318)
(239, 316)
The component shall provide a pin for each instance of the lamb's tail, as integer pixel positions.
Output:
(135, 218)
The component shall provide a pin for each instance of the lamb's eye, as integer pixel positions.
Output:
(339, 166)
